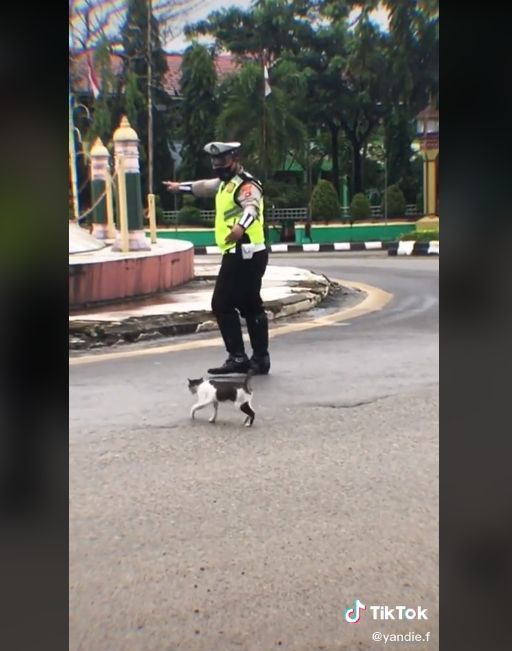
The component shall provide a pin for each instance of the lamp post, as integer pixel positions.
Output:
(379, 152)
(385, 159)
(385, 185)
(427, 127)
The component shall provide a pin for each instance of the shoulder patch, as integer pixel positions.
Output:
(246, 189)
(245, 176)
(230, 186)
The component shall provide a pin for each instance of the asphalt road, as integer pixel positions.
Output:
(203, 537)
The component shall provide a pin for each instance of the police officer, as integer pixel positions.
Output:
(240, 237)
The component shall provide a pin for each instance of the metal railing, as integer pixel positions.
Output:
(171, 218)
(282, 214)
(376, 212)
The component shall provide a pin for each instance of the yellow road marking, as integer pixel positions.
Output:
(375, 300)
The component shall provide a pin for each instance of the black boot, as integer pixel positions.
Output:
(231, 331)
(257, 327)
(233, 364)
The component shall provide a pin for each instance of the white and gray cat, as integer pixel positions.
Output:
(211, 392)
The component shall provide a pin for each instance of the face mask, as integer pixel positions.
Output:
(223, 173)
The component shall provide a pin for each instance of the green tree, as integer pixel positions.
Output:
(399, 133)
(323, 58)
(365, 91)
(347, 72)
(267, 127)
(135, 102)
(268, 29)
(199, 110)
(134, 36)
(414, 34)
(413, 82)
(101, 125)
(356, 76)
(409, 59)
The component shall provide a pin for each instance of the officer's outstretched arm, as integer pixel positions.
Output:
(203, 188)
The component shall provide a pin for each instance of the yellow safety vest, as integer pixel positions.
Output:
(228, 212)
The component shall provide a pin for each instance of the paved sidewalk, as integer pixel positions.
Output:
(186, 310)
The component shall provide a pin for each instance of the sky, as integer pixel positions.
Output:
(113, 11)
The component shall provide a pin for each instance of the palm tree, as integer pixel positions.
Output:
(267, 127)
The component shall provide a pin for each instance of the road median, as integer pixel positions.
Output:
(286, 292)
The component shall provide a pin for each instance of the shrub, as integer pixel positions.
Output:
(395, 202)
(421, 236)
(325, 204)
(359, 207)
(190, 215)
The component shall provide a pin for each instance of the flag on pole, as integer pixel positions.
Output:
(93, 80)
(266, 61)
(268, 90)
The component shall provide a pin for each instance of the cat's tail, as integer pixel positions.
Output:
(247, 385)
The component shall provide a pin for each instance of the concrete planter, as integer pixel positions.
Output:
(108, 276)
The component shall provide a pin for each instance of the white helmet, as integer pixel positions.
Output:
(222, 154)
(220, 148)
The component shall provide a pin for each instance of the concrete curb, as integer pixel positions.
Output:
(405, 247)
(411, 247)
(311, 247)
(89, 334)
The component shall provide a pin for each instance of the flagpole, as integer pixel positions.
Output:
(264, 143)
(150, 106)
(72, 160)
(266, 91)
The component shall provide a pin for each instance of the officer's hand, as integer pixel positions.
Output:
(172, 186)
(236, 233)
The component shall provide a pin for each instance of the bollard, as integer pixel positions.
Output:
(111, 227)
(99, 174)
(126, 146)
(152, 217)
(123, 207)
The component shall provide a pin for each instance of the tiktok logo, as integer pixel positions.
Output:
(353, 615)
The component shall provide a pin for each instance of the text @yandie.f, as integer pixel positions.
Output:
(410, 636)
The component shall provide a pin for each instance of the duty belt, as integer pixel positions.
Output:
(257, 248)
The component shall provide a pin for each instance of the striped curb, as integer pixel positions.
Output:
(316, 247)
(410, 247)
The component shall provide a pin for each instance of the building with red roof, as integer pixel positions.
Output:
(224, 63)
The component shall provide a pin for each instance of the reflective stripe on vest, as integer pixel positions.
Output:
(227, 214)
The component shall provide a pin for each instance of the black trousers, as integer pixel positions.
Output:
(238, 285)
